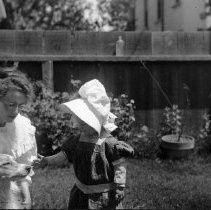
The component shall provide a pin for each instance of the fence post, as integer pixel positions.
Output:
(47, 74)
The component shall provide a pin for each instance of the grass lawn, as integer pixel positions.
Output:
(151, 184)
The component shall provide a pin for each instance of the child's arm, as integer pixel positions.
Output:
(116, 152)
(63, 157)
(54, 160)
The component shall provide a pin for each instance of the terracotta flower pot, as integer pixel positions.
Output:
(173, 148)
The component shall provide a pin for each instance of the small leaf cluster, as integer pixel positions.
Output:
(204, 131)
(123, 108)
(45, 115)
(172, 121)
(144, 143)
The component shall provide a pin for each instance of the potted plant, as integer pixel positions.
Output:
(174, 143)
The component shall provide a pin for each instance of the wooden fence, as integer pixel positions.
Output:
(101, 43)
(172, 61)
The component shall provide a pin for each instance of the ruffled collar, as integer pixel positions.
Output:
(96, 139)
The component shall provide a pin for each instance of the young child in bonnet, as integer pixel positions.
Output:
(97, 157)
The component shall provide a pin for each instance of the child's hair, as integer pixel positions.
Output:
(13, 79)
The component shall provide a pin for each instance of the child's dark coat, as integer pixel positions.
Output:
(92, 164)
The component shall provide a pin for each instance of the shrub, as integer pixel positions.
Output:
(204, 137)
(145, 143)
(205, 130)
(52, 127)
(123, 108)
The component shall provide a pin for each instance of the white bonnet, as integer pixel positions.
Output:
(93, 106)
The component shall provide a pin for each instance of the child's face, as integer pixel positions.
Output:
(76, 122)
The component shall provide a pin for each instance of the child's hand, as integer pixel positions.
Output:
(40, 162)
(119, 194)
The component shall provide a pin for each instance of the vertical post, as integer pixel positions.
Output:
(146, 22)
(47, 74)
(162, 15)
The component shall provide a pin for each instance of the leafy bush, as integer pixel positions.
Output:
(145, 143)
(204, 131)
(204, 137)
(52, 126)
(74, 15)
(123, 108)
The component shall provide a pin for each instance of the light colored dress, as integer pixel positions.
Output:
(18, 140)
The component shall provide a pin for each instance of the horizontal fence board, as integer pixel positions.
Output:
(77, 43)
(138, 43)
(164, 43)
(92, 40)
(7, 42)
(56, 42)
(206, 39)
(105, 58)
(103, 43)
(28, 42)
(107, 42)
(83, 43)
(192, 43)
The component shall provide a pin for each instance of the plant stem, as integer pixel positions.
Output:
(180, 134)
